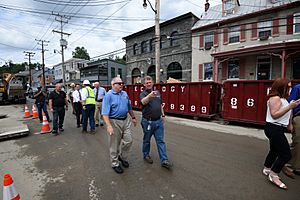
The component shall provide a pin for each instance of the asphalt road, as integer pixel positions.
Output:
(208, 165)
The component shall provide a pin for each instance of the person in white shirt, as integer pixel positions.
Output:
(99, 95)
(77, 104)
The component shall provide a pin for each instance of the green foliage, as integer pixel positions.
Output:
(16, 68)
(81, 52)
(121, 60)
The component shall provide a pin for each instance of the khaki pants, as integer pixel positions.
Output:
(295, 147)
(121, 141)
(97, 112)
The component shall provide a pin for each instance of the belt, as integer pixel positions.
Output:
(277, 124)
(118, 118)
(99, 100)
(152, 119)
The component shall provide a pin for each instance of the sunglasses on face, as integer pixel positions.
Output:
(119, 83)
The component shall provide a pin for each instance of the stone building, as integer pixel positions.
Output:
(176, 50)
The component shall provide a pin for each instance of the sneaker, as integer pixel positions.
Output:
(124, 162)
(166, 164)
(61, 130)
(55, 132)
(266, 171)
(118, 169)
(148, 159)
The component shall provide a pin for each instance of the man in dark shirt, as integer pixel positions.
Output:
(57, 102)
(153, 123)
(40, 102)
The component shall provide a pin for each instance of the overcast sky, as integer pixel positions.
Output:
(97, 27)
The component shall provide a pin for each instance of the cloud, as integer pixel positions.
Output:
(19, 30)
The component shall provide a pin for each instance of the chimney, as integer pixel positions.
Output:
(206, 6)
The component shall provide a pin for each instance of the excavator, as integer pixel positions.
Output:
(12, 88)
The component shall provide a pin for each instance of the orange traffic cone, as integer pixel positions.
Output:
(26, 113)
(35, 114)
(45, 126)
(9, 190)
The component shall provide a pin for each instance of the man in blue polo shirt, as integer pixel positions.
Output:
(115, 108)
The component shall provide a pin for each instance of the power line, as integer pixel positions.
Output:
(112, 2)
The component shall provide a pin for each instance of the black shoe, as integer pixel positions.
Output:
(61, 130)
(41, 121)
(92, 131)
(78, 126)
(297, 172)
(97, 125)
(50, 120)
(101, 124)
(166, 164)
(148, 159)
(55, 132)
(118, 169)
(84, 131)
(124, 162)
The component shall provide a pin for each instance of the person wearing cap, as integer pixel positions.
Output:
(40, 102)
(77, 99)
(115, 108)
(88, 107)
(99, 95)
(70, 96)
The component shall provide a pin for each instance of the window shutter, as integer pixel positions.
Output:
(216, 38)
(254, 31)
(242, 68)
(224, 70)
(243, 33)
(200, 71)
(289, 24)
(201, 42)
(275, 32)
(225, 36)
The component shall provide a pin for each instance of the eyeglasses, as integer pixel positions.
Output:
(119, 83)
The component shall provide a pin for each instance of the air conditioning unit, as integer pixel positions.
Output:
(264, 37)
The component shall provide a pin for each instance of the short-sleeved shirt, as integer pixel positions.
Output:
(58, 99)
(116, 104)
(101, 93)
(40, 98)
(151, 110)
(295, 94)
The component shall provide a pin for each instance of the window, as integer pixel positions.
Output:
(152, 44)
(263, 68)
(265, 29)
(112, 72)
(208, 71)
(135, 49)
(209, 40)
(120, 72)
(234, 34)
(297, 23)
(233, 69)
(229, 7)
(163, 42)
(144, 46)
(174, 39)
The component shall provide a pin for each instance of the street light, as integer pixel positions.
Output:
(157, 37)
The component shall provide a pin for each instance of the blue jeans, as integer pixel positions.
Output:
(58, 117)
(42, 107)
(155, 128)
(88, 114)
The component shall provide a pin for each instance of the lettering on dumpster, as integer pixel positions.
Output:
(182, 89)
(172, 88)
(181, 107)
(250, 102)
(135, 103)
(164, 89)
(142, 88)
(135, 88)
(193, 108)
(268, 90)
(234, 102)
(203, 109)
(172, 106)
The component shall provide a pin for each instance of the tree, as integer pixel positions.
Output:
(81, 52)
(121, 60)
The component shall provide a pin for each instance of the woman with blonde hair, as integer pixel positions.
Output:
(277, 120)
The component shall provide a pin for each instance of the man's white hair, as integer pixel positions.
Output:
(114, 80)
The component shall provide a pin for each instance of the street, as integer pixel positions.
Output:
(208, 165)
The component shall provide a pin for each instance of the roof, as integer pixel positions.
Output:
(168, 22)
(214, 14)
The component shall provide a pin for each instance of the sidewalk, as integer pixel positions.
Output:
(213, 126)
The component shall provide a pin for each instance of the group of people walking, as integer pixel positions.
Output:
(97, 106)
(283, 111)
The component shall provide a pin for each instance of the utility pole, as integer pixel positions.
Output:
(29, 54)
(63, 43)
(43, 57)
(157, 37)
